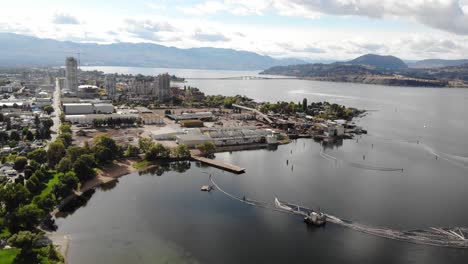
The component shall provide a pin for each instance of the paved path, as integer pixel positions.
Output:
(57, 111)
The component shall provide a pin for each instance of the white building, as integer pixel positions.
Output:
(87, 108)
(78, 108)
(103, 108)
(43, 101)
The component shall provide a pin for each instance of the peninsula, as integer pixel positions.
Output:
(375, 69)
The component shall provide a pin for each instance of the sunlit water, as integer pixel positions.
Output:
(166, 219)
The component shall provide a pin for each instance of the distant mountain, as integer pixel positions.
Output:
(436, 63)
(378, 61)
(20, 50)
(456, 76)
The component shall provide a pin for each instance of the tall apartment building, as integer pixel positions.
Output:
(71, 74)
(164, 92)
(145, 87)
(110, 85)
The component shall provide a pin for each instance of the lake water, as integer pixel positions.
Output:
(166, 219)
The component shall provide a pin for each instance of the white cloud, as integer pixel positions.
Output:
(446, 15)
(64, 19)
(206, 8)
(148, 29)
(209, 36)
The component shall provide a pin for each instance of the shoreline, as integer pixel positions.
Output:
(109, 173)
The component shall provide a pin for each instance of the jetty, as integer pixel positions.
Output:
(220, 165)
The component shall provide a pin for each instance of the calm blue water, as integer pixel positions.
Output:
(166, 219)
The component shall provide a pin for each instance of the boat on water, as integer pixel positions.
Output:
(310, 216)
(316, 219)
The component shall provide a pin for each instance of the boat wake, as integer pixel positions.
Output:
(356, 165)
(435, 236)
(459, 161)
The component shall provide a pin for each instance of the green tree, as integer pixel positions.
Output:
(207, 148)
(55, 153)
(27, 217)
(37, 121)
(13, 195)
(157, 151)
(144, 144)
(73, 152)
(39, 155)
(34, 185)
(65, 128)
(83, 167)
(45, 202)
(131, 151)
(64, 165)
(29, 136)
(14, 135)
(105, 149)
(25, 240)
(304, 104)
(20, 163)
(181, 152)
(67, 183)
(66, 137)
(48, 109)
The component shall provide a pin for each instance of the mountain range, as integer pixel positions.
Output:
(20, 50)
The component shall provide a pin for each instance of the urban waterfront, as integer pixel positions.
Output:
(166, 218)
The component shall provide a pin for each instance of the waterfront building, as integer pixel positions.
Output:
(71, 74)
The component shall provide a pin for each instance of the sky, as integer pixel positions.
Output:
(306, 29)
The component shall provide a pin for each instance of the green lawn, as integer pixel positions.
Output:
(50, 185)
(8, 255)
(141, 164)
(4, 233)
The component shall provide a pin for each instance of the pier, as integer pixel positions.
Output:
(220, 165)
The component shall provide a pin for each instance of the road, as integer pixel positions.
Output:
(57, 111)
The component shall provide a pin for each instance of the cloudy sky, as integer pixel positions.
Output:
(311, 29)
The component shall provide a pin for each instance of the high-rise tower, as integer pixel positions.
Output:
(71, 74)
(110, 84)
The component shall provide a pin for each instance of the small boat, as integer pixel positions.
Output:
(316, 219)
(206, 188)
(311, 217)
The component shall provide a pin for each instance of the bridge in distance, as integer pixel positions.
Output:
(241, 78)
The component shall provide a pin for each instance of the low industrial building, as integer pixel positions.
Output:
(167, 133)
(226, 136)
(89, 118)
(103, 108)
(204, 116)
(87, 108)
(151, 119)
(42, 101)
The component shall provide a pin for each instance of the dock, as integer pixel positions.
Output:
(220, 165)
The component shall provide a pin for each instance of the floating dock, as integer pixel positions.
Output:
(220, 165)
